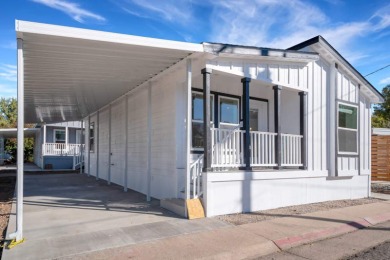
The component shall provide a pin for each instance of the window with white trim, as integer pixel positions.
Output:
(92, 137)
(229, 112)
(347, 129)
(59, 136)
(197, 119)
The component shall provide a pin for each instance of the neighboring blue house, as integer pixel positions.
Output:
(58, 146)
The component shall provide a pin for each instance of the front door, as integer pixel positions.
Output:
(258, 115)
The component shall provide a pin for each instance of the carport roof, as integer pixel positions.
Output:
(71, 72)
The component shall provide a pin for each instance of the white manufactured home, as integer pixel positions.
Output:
(243, 128)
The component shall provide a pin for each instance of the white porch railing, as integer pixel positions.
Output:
(228, 147)
(61, 149)
(263, 148)
(227, 152)
(78, 160)
(194, 183)
(291, 150)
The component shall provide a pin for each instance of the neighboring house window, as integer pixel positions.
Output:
(59, 136)
(229, 112)
(197, 119)
(347, 129)
(92, 137)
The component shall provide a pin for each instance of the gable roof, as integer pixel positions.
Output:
(321, 40)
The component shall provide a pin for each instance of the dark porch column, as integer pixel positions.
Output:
(245, 114)
(303, 127)
(278, 127)
(206, 120)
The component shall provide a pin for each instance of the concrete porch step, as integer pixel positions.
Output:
(175, 205)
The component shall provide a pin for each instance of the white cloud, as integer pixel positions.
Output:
(381, 18)
(266, 23)
(385, 81)
(7, 91)
(179, 12)
(72, 9)
(8, 72)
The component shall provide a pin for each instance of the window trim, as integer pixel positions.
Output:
(212, 97)
(219, 110)
(54, 135)
(347, 129)
(89, 137)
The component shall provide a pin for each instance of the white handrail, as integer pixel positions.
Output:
(61, 149)
(227, 149)
(291, 150)
(194, 183)
(262, 148)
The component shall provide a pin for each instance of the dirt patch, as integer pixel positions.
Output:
(258, 216)
(7, 187)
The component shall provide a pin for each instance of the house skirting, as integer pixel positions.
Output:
(58, 162)
(241, 191)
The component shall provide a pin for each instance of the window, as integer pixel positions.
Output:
(347, 129)
(228, 111)
(254, 119)
(59, 136)
(92, 137)
(197, 119)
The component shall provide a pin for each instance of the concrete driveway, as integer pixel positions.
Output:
(69, 214)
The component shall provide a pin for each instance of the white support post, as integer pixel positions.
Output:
(96, 137)
(188, 127)
(43, 146)
(81, 146)
(149, 174)
(332, 90)
(109, 145)
(126, 141)
(18, 235)
(89, 138)
(66, 138)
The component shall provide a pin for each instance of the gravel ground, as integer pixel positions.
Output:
(7, 186)
(380, 187)
(380, 252)
(253, 217)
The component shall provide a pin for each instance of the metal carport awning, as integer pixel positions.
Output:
(65, 74)
(70, 73)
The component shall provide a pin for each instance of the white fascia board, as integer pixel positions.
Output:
(264, 81)
(86, 34)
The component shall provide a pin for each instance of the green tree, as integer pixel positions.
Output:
(8, 119)
(381, 115)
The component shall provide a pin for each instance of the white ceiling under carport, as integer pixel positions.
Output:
(70, 73)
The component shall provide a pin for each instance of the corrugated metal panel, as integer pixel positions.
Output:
(70, 73)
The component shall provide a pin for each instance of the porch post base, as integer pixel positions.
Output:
(207, 169)
(302, 167)
(278, 167)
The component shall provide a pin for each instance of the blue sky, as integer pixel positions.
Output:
(358, 29)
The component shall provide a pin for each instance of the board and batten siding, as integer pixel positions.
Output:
(312, 77)
(348, 91)
(110, 143)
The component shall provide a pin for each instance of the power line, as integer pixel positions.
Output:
(377, 70)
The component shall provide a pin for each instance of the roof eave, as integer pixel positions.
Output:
(220, 49)
(320, 40)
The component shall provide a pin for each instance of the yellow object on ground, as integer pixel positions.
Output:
(14, 243)
(194, 209)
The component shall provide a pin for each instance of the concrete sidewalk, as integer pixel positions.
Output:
(253, 240)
